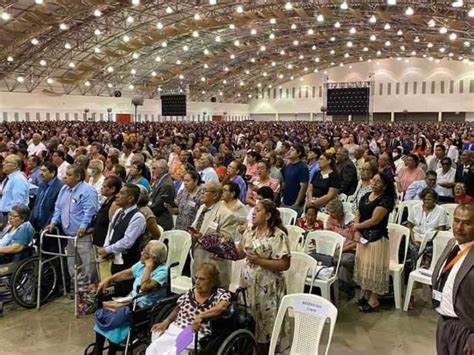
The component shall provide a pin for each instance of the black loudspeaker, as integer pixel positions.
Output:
(173, 105)
(348, 101)
(117, 93)
(213, 99)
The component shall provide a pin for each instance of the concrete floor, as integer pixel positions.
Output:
(55, 330)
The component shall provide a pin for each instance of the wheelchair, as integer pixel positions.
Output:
(232, 333)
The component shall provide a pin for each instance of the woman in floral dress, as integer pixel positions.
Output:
(267, 251)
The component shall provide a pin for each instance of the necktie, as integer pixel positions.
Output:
(119, 218)
(67, 209)
(444, 275)
(201, 218)
(4, 183)
(41, 201)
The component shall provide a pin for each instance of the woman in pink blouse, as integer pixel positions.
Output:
(262, 179)
(410, 173)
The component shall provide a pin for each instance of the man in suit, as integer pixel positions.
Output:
(347, 171)
(462, 170)
(453, 287)
(213, 216)
(163, 192)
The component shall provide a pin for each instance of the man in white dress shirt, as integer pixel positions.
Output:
(59, 159)
(36, 146)
(453, 288)
(205, 169)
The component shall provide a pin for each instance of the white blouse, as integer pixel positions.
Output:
(425, 222)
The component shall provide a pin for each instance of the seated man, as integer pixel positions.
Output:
(413, 191)
(151, 274)
(343, 223)
(204, 300)
(16, 235)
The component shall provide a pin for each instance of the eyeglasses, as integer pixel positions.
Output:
(445, 163)
(226, 190)
(13, 216)
(210, 191)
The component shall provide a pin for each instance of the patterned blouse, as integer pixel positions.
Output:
(187, 207)
(189, 308)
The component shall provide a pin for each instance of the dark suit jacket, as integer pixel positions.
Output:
(162, 193)
(348, 174)
(48, 205)
(463, 289)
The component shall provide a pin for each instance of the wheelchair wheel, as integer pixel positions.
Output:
(163, 313)
(25, 282)
(239, 342)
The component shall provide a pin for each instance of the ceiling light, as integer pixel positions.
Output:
(413, 53)
(135, 55)
(63, 27)
(164, 44)
(373, 37)
(226, 68)
(131, 87)
(372, 19)
(316, 60)
(332, 39)
(471, 12)
(5, 16)
(457, 3)
(159, 25)
(97, 13)
(431, 23)
(346, 55)
(158, 59)
(110, 69)
(178, 62)
(400, 33)
(467, 44)
(153, 73)
(271, 36)
(402, 48)
(282, 52)
(366, 49)
(195, 34)
(135, 2)
(293, 26)
(453, 36)
(224, 82)
(311, 31)
(442, 49)
(43, 63)
(352, 30)
(288, 6)
(130, 19)
(10, 58)
(332, 51)
(313, 47)
(379, 52)
(409, 11)
(273, 64)
(49, 81)
(67, 45)
(280, 76)
(181, 76)
(133, 71)
(206, 51)
(443, 30)
(263, 48)
(97, 32)
(429, 45)
(253, 31)
(236, 43)
(241, 83)
(197, 17)
(387, 26)
(391, 2)
(39, 2)
(388, 44)
(232, 56)
(344, 6)
(252, 60)
(337, 24)
(20, 79)
(87, 83)
(349, 44)
(296, 42)
(232, 26)
(72, 65)
(97, 50)
(185, 48)
(320, 18)
(239, 9)
(34, 41)
(217, 39)
(417, 39)
(169, 10)
(125, 38)
(273, 21)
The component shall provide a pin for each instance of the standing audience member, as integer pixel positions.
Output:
(371, 269)
(326, 183)
(136, 176)
(36, 147)
(267, 252)
(347, 172)
(446, 177)
(233, 174)
(152, 229)
(295, 177)
(110, 188)
(162, 193)
(313, 161)
(367, 172)
(440, 153)
(205, 169)
(453, 282)
(230, 196)
(187, 201)
(262, 179)
(58, 159)
(15, 189)
(34, 175)
(124, 236)
(96, 178)
(75, 208)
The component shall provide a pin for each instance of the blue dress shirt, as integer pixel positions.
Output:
(75, 207)
(16, 191)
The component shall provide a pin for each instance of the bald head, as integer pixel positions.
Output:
(211, 193)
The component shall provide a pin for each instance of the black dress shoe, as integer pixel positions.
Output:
(367, 308)
(362, 301)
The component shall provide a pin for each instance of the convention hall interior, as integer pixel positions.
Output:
(237, 177)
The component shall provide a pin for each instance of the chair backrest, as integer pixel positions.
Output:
(296, 237)
(405, 205)
(301, 266)
(310, 313)
(323, 217)
(161, 230)
(347, 206)
(342, 197)
(396, 234)
(179, 243)
(328, 243)
(449, 208)
(439, 244)
(288, 216)
(237, 266)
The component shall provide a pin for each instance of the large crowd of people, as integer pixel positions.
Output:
(116, 186)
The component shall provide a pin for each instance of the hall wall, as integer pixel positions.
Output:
(416, 86)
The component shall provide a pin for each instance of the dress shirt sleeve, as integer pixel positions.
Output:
(410, 193)
(135, 229)
(20, 192)
(89, 206)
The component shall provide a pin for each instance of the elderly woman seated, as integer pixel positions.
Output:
(343, 223)
(17, 234)
(460, 195)
(205, 300)
(150, 276)
(310, 222)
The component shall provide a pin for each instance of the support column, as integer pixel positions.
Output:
(277, 116)
(311, 117)
(440, 117)
(392, 116)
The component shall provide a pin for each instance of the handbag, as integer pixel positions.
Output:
(323, 259)
(372, 235)
(221, 246)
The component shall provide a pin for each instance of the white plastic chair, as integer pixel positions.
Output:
(310, 314)
(449, 208)
(405, 205)
(179, 244)
(424, 275)
(181, 284)
(347, 206)
(288, 216)
(396, 234)
(302, 267)
(296, 237)
(237, 266)
(161, 231)
(323, 217)
(342, 197)
(328, 243)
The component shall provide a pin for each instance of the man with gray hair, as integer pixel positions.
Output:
(163, 191)
(347, 172)
(205, 169)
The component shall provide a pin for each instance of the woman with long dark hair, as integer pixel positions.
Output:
(372, 254)
(267, 250)
(326, 183)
